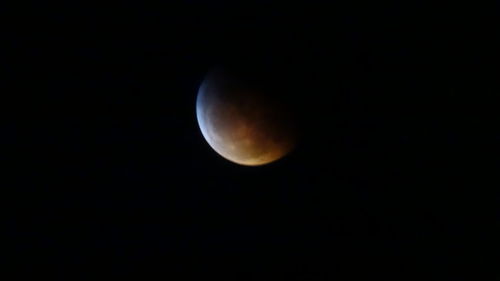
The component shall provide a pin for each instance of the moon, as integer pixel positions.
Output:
(242, 123)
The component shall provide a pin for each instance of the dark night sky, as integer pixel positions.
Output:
(108, 176)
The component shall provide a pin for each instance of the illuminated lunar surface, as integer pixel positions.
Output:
(242, 125)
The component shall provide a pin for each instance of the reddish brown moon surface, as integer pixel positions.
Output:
(242, 125)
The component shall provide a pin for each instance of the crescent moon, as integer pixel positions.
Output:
(242, 125)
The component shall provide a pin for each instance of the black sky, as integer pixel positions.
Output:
(109, 177)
